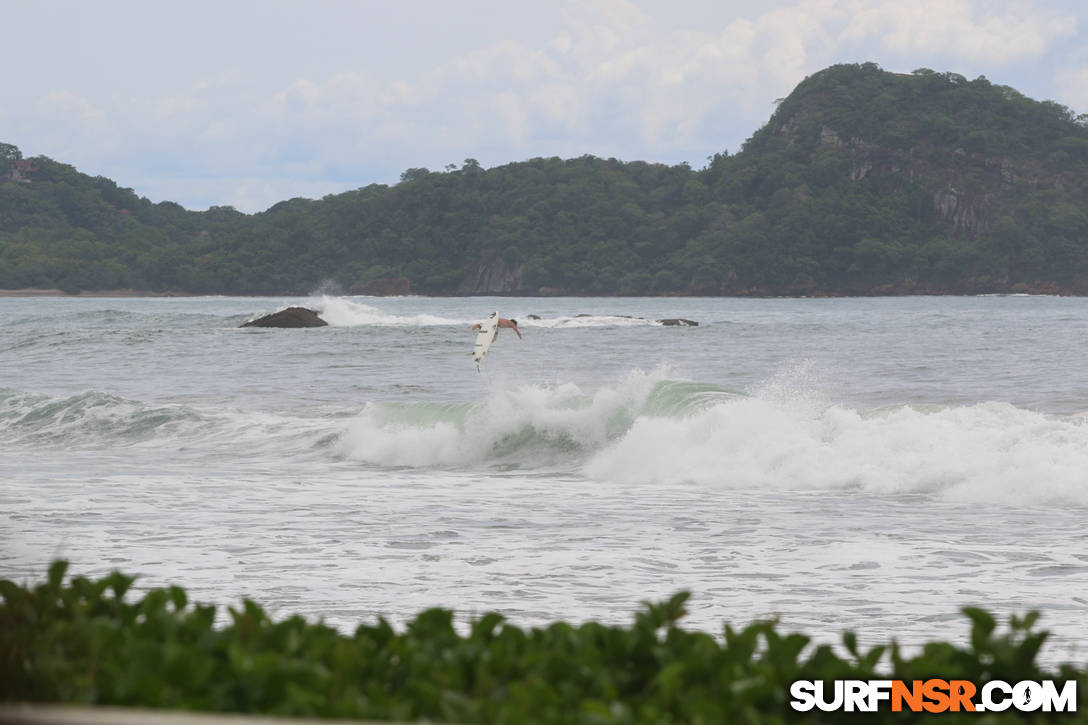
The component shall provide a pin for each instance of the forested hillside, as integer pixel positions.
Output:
(862, 182)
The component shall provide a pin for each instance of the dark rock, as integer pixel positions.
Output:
(385, 287)
(491, 275)
(291, 317)
(534, 317)
(678, 321)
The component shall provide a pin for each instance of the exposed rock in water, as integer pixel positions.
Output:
(678, 322)
(385, 287)
(291, 317)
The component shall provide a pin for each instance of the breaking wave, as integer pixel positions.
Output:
(647, 429)
(96, 420)
(984, 452)
(344, 312)
(529, 426)
(652, 430)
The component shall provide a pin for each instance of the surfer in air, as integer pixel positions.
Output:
(488, 331)
(503, 322)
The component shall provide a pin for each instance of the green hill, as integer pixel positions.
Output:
(862, 182)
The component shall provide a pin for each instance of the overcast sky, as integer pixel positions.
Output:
(208, 102)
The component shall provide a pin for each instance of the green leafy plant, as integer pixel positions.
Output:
(82, 641)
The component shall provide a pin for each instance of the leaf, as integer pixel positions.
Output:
(178, 597)
(120, 584)
(674, 609)
(1030, 619)
(872, 658)
(484, 628)
(56, 573)
(1029, 648)
(11, 592)
(850, 642)
(982, 626)
(157, 653)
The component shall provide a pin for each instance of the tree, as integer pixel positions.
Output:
(414, 174)
(9, 152)
(845, 189)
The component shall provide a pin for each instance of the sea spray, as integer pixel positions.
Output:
(256, 497)
(650, 429)
(342, 312)
(528, 426)
(983, 452)
(345, 312)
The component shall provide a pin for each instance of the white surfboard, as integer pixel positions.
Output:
(489, 328)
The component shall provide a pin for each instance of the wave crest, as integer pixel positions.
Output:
(648, 429)
(653, 430)
(984, 452)
(95, 419)
(341, 312)
(529, 426)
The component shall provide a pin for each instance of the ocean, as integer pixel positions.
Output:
(871, 464)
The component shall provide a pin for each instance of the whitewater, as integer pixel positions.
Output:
(865, 464)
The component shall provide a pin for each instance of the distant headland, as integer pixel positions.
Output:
(863, 182)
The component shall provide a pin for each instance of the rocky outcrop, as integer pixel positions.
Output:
(492, 275)
(861, 153)
(678, 322)
(291, 317)
(968, 215)
(966, 189)
(385, 287)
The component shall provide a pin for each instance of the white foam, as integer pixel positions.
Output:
(508, 424)
(784, 437)
(342, 312)
(346, 312)
(575, 321)
(985, 452)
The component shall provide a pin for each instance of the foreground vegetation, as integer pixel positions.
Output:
(861, 182)
(80, 641)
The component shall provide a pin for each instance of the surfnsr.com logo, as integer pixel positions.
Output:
(933, 695)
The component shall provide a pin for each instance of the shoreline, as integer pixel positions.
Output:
(37, 292)
(131, 293)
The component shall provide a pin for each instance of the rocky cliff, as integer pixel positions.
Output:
(491, 275)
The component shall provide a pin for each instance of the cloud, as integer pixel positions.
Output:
(245, 193)
(67, 123)
(70, 105)
(611, 81)
(1071, 85)
(993, 33)
(609, 77)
